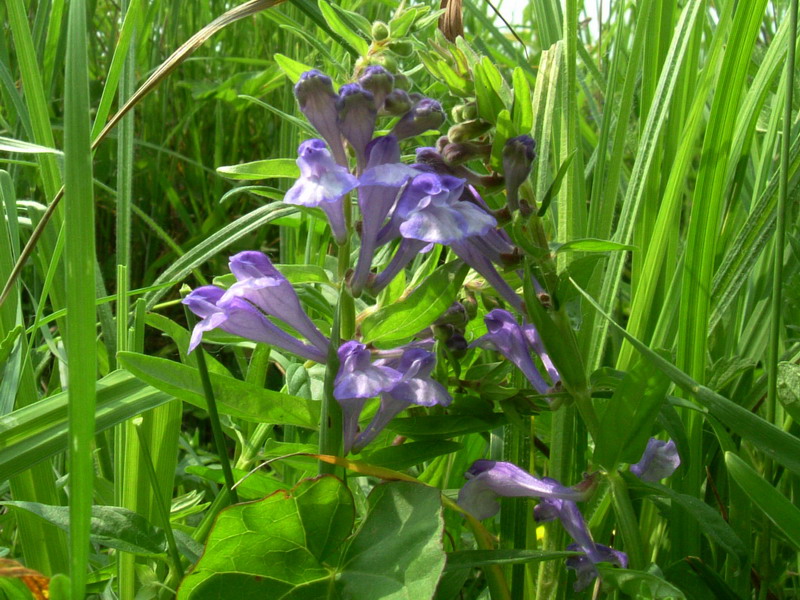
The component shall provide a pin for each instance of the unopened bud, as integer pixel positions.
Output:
(401, 48)
(357, 115)
(378, 81)
(401, 82)
(468, 130)
(426, 114)
(317, 100)
(456, 154)
(518, 155)
(457, 344)
(397, 102)
(380, 31)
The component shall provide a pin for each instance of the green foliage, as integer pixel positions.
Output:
(298, 544)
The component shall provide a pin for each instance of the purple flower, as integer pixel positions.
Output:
(263, 286)
(237, 316)
(567, 512)
(400, 382)
(473, 252)
(322, 183)
(357, 380)
(426, 114)
(515, 342)
(488, 479)
(430, 210)
(416, 386)
(317, 100)
(379, 187)
(660, 460)
(357, 116)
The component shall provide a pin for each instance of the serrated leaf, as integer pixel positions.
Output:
(397, 323)
(274, 168)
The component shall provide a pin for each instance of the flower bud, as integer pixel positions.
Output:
(427, 114)
(401, 82)
(317, 100)
(380, 31)
(458, 345)
(378, 81)
(357, 115)
(401, 48)
(518, 155)
(468, 130)
(456, 154)
(397, 102)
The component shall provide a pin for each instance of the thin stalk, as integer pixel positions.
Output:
(627, 522)
(780, 227)
(213, 415)
(161, 510)
(330, 417)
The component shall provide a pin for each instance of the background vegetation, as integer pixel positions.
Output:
(668, 123)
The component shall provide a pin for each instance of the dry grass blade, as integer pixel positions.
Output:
(168, 66)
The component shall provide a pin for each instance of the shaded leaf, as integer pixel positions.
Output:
(111, 526)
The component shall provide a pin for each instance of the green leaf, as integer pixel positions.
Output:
(397, 323)
(773, 441)
(262, 169)
(779, 509)
(408, 455)
(7, 345)
(249, 486)
(111, 526)
(467, 559)
(522, 111)
(555, 186)
(591, 245)
(397, 552)
(399, 25)
(12, 588)
(708, 520)
(636, 403)
(444, 426)
(290, 67)
(36, 432)
(234, 397)
(639, 584)
(275, 546)
(292, 545)
(348, 32)
(17, 146)
(489, 102)
(789, 388)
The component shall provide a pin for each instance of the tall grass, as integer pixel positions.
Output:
(679, 131)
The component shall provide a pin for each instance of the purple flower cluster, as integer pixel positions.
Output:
(488, 480)
(516, 342)
(401, 381)
(415, 205)
(260, 291)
